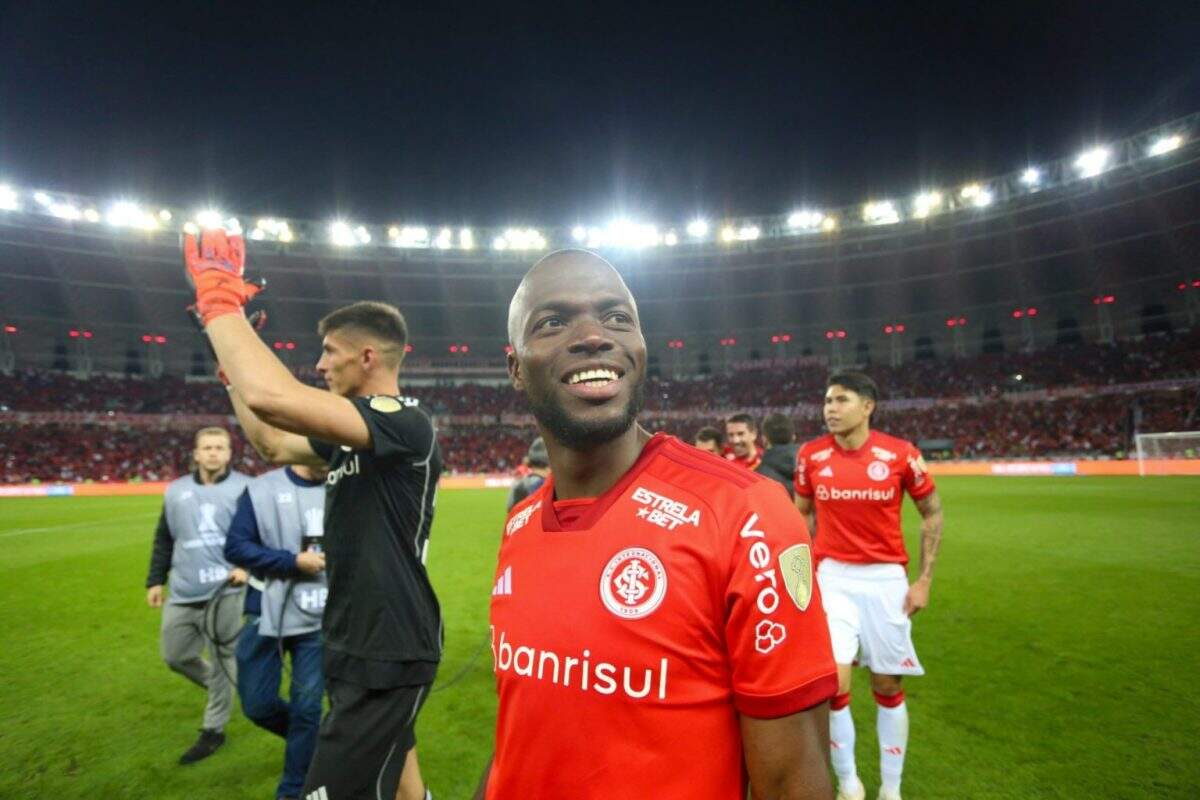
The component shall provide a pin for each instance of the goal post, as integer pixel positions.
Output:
(1155, 448)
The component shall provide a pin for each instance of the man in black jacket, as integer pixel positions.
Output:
(779, 461)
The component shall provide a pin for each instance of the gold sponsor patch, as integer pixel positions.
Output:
(795, 563)
(385, 404)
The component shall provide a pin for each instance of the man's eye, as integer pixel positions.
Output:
(620, 317)
(548, 322)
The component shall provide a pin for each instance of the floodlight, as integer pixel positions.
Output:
(579, 233)
(1165, 144)
(361, 235)
(164, 215)
(126, 214)
(809, 220)
(91, 215)
(258, 234)
(444, 240)
(499, 243)
(881, 212)
(982, 198)
(466, 239)
(341, 234)
(670, 239)
(1032, 176)
(285, 235)
(748, 233)
(209, 218)
(728, 234)
(925, 203)
(191, 227)
(65, 211)
(1092, 162)
(829, 224)
(42, 199)
(697, 228)
(8, 199)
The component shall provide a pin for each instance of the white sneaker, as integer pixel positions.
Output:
(886, 795)
(855, 792)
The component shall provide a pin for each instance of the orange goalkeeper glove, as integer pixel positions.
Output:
(216, 265)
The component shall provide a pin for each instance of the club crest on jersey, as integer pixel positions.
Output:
(795, 564)
(878, 471)
(520, 519)
(663, 511)
(822, 455)
(633, 583)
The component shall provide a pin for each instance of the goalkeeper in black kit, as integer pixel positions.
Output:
(382, 626)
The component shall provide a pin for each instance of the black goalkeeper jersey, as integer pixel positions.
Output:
(382, 625)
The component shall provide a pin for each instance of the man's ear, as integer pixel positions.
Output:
(515, 375)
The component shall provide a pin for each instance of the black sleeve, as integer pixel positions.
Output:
(398, 427)
(160, 555)
(323, 449)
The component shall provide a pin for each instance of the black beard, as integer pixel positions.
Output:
(577, 435)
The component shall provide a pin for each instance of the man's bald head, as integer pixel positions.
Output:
(562, 267)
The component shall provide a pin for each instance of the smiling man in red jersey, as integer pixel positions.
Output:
(656, 631)
(741, 435)
(855, 479)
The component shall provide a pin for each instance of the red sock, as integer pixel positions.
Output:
(839, 701)
(889, 700)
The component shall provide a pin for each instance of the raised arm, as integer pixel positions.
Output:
(786, 757)
(274, 445)
(215, 263)
(930, 507)
(274, 395)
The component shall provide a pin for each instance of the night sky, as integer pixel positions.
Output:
(563, 114)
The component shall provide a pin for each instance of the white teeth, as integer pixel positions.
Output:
(604, 375)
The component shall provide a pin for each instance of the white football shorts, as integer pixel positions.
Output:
(865, 607)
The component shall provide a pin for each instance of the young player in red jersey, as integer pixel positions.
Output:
(656, 631)
(741, 432)
(855, 479)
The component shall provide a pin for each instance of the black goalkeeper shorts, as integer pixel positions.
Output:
(363, 741)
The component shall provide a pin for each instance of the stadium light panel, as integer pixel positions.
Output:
(444, 240)
(91, 215)
(882, 212)
(520, 239)
(926, 203)
(697, 229)
(1091, 163)
(748, 233)
(42, 199)
(982, 199)
(829, 224)
(209, 218)
(341, 234)
(1165, 144)
(65, 211)
(164, 215)
(579, 233)
(805, 220)
(8, 199)
(466, 239)
(124, 214)
(670, 239)
(258, 234)
(499, 243)
(1032, 176)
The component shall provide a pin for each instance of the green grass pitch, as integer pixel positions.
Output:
(1061, 646)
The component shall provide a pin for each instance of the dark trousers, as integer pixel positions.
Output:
(297, 720)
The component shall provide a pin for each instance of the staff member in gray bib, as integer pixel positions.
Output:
(204, 605)
(277, 534)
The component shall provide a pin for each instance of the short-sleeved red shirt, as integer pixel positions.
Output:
(629, 631)
(858, 495)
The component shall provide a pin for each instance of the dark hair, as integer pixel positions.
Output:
(778, 429)
(708, 434)
(381, 321)
(858, 382)
(745, 419)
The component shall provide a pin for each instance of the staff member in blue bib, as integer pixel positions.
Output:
(203, 607)
(277, 534)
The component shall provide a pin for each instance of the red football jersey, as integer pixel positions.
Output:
(629, 631)
(858, 495)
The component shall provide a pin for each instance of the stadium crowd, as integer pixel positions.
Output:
(986, 375)
(1076, 426)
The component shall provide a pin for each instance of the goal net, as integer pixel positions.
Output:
(1155, 449)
